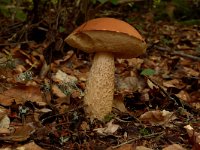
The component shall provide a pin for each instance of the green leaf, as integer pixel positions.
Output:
(115, 2)
(54, 2)
(147, 72)
(144, 131)
(108, 117)
(4, 11)
(102, 1)
(61, 29)
(93, 1)
(20, 15)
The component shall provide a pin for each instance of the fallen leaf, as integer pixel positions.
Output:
(7, 148)
(30, 146)
(191, 72)
(148, 72)
(194, 137)
(142, 148)
(127, 85)
(66, 85)
(109, 129)
(4, 131)
(119, 103)
(193, 98)
(174, 147)
(21, 133)
(126, 147)
(183, 95)
(84, 126)
(61, 76)
(174, 83)
(151, 84)
(2, 113)
(44, 110)
(57, 91)
(135, 62)
(157, 117)
(5, 122)
(21, 94)
(66, 57)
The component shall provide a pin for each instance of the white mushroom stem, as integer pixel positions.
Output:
(100, 86)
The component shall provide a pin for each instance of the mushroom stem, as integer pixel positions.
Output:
(100, 86)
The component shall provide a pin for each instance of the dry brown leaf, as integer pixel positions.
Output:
(128, 84)
(30, 146)
(126, 147)
(109, 129)
(7, 148)
(195, 96)
(7, 75)
(130, 147)
(194, 137)
(19, 69)
(34, 58)
(61, 76)
(67, 85)
(183, 95)
(174, 83)
(57, 91)
(4, 131)
(82, 76)
(193, 99)
(84, 126)
(142, 148)
(183, 46)
(76, 94)
(191, 72)
(5, 122)
(157, 117)
(21, 133)
(119, 103)
(135, 62)
(65, 58)
(3, 58)
(174, 147)
(3, 112)
(21, 94)
(44, 70)
(151, 84)
(64, 108)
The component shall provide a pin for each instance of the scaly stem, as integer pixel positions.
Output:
(100, 86)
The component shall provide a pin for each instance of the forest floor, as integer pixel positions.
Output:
(156, 102)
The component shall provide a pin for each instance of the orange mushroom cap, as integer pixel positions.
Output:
(108, 35)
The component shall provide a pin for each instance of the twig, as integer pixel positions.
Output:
(177, 52)
(118, 119)
(134, 139)
(165, 92)
(186, 55)
(7, 44)
(50, 146)
(176, 101)
(56, 115)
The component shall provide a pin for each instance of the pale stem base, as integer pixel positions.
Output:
(100, 86)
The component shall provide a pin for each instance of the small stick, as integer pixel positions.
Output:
(7, 44)
(177, 53)
(134, 139)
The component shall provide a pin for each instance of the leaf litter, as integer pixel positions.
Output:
(157, 97)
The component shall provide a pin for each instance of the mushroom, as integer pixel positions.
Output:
(107, 38)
